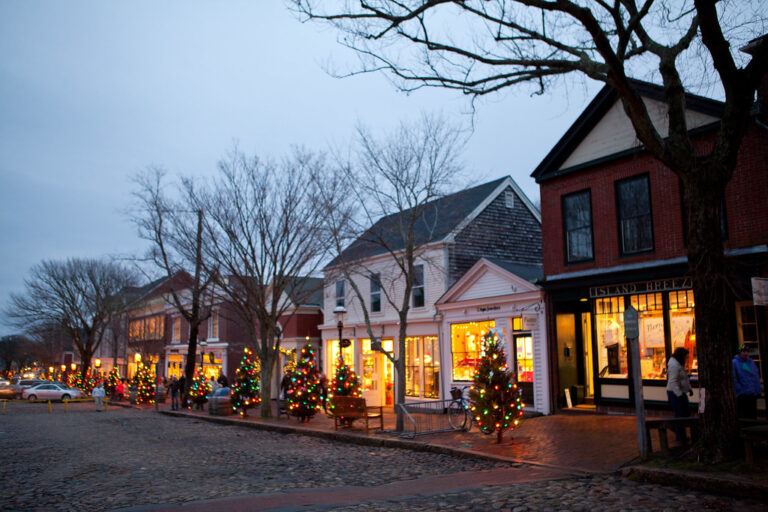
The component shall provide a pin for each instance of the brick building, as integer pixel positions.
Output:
(613, 227)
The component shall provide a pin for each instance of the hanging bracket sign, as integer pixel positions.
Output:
(345, 343)
(631, 329)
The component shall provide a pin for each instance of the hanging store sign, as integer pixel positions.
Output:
(760, 291)
(658, 285)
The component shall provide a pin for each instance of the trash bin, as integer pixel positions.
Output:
(220, 403)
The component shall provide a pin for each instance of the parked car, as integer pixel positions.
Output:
(7, 391)
(50, 391)
(20, 384)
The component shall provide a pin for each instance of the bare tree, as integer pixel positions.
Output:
(264, 230)
(77, 294)
(50, 340)
(483, 46)
(391, 208)
(175, 232)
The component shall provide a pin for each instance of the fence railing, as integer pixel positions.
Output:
(428, 417)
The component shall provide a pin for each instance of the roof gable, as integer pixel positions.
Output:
(603, 130)
(486, 279)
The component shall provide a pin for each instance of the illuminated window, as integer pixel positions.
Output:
(467, 346)
(422, 367)
(348, 353)
(524, 358)
(612, 346)
(683, 327)
(650, 319)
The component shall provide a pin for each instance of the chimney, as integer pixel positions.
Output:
(760, 108)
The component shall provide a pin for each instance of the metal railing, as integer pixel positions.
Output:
(427, 417)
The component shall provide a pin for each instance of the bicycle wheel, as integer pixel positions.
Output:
(457, 415)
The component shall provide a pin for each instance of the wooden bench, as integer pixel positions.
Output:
(751, 436)
(662, 425)
(282, 409)
(352, 408)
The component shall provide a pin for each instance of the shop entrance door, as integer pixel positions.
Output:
(589, 373)
(524, 365)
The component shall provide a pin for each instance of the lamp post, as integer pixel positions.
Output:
(339, 312)
(203, 344)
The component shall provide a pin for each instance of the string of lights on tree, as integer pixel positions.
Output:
(200, 389)
(145, 387)
(304, 399)
(112, 379)
(246, 392)
(345, 383)
(495, 396)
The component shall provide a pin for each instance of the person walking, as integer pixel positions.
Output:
(174, 393)
(324, 392)
(747, 384)
(98, 397)
(678, 388)
(182, 384)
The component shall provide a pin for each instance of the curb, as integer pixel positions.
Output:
(379, 442)
(708, 483)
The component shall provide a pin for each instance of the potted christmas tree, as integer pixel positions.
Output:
(495, 395)
(304, 393)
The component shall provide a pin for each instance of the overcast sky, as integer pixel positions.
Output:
(92, 92)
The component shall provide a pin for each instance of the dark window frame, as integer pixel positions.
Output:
(340, 293)
(418, 289)
(375, 283)
(566, 231)
(620, 232)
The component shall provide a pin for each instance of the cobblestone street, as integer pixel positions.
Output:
(125, 458)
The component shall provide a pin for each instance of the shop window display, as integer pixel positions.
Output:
(467, 347)
(612, 346)
(683, 326)
(650, 315)
(348, 353)
(431, 367)
(412, 363)
(524, 358)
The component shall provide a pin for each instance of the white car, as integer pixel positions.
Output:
(50, 391)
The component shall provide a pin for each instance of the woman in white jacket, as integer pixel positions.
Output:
(678, 387)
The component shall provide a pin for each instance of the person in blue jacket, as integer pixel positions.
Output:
(747, 382)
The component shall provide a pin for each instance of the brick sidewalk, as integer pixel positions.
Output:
(575, 443)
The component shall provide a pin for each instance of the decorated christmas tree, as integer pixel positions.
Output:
(494, 395)
(145, 387)
(345, 383)
(304, 390)
(111, 382)
(199, 390)
(245, 390)
(85, 382)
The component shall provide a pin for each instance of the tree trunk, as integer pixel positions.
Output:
(400, 372)
(189, 368)
(713, 301)
(266, 370)
(499, 435)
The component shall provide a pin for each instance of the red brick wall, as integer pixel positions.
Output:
(746, 207)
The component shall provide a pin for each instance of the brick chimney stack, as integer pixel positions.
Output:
(761, 103)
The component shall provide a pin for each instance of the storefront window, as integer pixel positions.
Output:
(467, 346)
(348, 353)
(412, 362)
(683, 327)
(650, 315)
(369, 367)
(612, 346)
(431, 367)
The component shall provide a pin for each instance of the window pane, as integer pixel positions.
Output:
(412, 363)
(683, 327)
(577, 219)
(634, 208)
(340, 293)
(650, 314)
(418, 297)
(466, 347)
(431, 367)
(612, 346)
(524, 358)
(418, 275)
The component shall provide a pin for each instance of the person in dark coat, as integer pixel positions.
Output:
(746, 378)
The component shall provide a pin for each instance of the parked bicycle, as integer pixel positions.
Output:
(459, 412)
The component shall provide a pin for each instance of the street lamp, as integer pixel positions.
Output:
(73, 366)
(339, 312)
(203, 344)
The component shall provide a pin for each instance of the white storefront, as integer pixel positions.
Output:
(492, 294)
